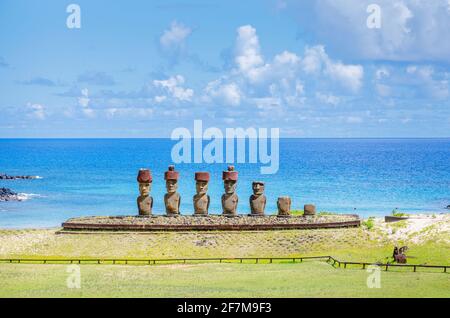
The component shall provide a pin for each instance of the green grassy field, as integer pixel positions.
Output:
(308, 279)
(427, 245)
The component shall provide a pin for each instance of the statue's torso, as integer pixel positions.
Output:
(145, 204)
(172, 202)
(229, 203)
(257, 204)
(201, 204)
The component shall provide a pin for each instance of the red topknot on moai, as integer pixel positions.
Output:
(230, 198)
(144, 200)
(172, 198)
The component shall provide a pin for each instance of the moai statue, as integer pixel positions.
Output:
(201, 199)
(230, 198)
(284, 206)
(144, 200)
(172, 198)
(309, 209)
(257, 199)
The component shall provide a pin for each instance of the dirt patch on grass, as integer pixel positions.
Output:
(417, 229)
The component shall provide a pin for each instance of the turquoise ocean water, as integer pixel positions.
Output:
(82, 177)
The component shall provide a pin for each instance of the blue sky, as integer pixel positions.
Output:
(144, 68)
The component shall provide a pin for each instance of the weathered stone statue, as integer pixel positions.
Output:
(201, 199)
(144, 201)
(230, 198)
(309, 209)
(257, 199)
(172, 198)
(284, 206)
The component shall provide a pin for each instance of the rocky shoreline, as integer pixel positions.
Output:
(9, 195)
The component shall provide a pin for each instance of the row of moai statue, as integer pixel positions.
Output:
(201, 199)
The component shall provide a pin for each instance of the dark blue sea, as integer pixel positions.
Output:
(82, 177)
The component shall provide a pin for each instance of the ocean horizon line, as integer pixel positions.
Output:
(168, 138)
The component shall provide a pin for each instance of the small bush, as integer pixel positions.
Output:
(326, 213)
(399, 214)
(297, 212)
(369, 223)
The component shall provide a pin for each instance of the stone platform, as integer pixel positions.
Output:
(209, 223)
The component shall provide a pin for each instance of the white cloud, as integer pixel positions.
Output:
(354, 120)
(248, 56)
(282, 80)
(173, 87)
(160, 99)
(349, 75)
(410, 30)
(36, 111)
(291, 92)
(382, 73)
(88, 112)
(250, 63)
(135, 112)
(425, 78)
(174, 37)
(228, 94)
(328, 98)
(316, 61)
(84, 100)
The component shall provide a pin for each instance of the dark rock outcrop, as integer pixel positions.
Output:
(8, 177)
(9, 195)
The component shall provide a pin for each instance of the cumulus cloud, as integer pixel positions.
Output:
(174, 37)
(436, 85)
(412, 81)
(173, 87)
(382, 73)
(353, 120)
(317, 61)
(327, 98)
(229, 94)
(410, 30)
(248, 55)
(133, 112)
(281, 80)
(36, 111)
(172, 41)
(83, 102)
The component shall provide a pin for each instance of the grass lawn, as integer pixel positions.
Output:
(308, 279)
(427, 245)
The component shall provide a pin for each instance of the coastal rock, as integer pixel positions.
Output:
(8, 195)
(8, 177)
(448, 206)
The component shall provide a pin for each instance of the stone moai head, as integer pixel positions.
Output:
(309, 209)
(171, 176)
(230, 178)
(258, 188)
(144, 178)
(284, 206)
(201, 182)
